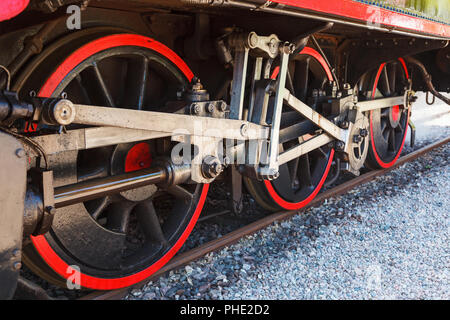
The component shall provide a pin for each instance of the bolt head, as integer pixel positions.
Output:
(357, 138)
(226, 161)
(51, 210)
(211, 107)
(253, 39)
(363, 133)
(340, 145)
(244, 130)
(17, 265)
(223, 106)
(20, 153)
(196, 108)
(344, 124)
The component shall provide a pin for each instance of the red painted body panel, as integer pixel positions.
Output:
(350, 9)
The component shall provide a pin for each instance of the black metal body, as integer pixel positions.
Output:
(12, 197)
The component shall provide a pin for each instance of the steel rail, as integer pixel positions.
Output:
(234, 236)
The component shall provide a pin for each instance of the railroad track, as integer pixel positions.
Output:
(234, 236)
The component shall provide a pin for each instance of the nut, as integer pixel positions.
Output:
(244, 130)
(195, 108)
(363, 133)
(211, 167)
(211, 107)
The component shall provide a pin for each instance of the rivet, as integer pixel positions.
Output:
(20, 153)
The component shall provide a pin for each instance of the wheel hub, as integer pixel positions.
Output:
(394, 116)
(129, 158)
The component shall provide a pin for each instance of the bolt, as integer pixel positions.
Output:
(253, 39)
(51, 210)
(17, 266)
(20, 153)
(211, 167)
(141, 164)
(357, 138)
(196, 108)
(211, 107)
(223, 106)
(244, 130)
(344, 124)
(363, 133)
(16, 253)
(226, 161)
(340, 145)
(216, 168)
(273, 174)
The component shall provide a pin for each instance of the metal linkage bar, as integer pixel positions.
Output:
(272, 169)
(314, 116)
(305, 147)
(89, 138)
(380, 103)
(238, 88)
(164, 122)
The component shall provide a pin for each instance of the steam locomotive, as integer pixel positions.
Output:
(116, 116)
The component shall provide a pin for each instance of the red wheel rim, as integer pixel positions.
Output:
(396, 113)
(40, 243)
(283, 203)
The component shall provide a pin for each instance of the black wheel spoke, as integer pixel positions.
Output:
(83, 90)
(149, 222)
(101, 208)
(386, 133)
(290, 84)
(136, 83)
(119, 216)
(384, 126)
(302, 78)
(393, 76)
(293, 170)
(180, 193)
(392, 140)
(323, 153)
(305, 170)
(385, 81)
(103, 88)
(92, 174)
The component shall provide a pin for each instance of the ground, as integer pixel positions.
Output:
(388, 239)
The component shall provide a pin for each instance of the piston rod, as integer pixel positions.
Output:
(95, 188)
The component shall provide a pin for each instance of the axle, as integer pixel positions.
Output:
(96, 188)
(40, 206)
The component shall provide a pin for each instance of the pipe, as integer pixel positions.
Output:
(294, 12)
(427, 79)
(95, 188)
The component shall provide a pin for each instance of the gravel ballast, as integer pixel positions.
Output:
(389, 239)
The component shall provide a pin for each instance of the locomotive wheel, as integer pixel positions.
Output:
(119, 240)
(302, 178)
(388, 126)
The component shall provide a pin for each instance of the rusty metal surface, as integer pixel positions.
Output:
(12, 198)
(236, 235)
